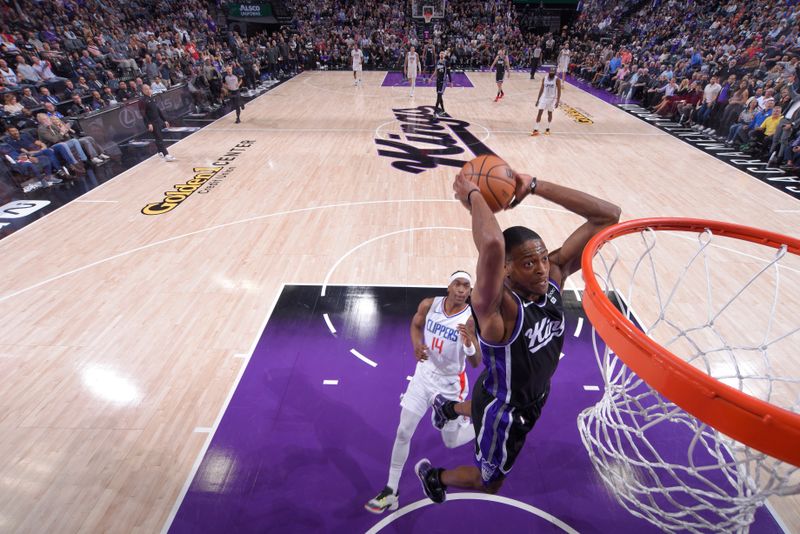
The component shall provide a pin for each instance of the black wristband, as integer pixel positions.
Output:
(469, 195)
(533, 186)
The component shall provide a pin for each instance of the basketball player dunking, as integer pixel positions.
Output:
(548, 99)
(411, 68)
(519, 318)
(442, 77)
(502, 63)
(358, 62)
(442, 333)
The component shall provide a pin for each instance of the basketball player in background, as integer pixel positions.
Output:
(501, 62)
(429, 57)
(358, 63)
(442, 334)
(411, 68)
(563, 62)
(519, 318)
(442, 77)
(233, 84)
(536, 57)
(549, 98)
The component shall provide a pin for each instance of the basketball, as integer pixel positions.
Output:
(494, 178)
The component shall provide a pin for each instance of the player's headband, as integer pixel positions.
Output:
(460, 274)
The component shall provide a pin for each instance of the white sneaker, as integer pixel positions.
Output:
(169, 157)
(52, 180)
(30, 187)
(385, 500)
(97, 161)
(160, 155)
(105, 157)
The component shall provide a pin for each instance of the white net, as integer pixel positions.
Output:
(729, 308)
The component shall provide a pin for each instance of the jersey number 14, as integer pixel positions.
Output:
(437, 344)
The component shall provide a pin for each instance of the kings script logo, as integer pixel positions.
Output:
(428, 141)
(205, 179)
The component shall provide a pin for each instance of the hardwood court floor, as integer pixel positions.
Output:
(123, 333)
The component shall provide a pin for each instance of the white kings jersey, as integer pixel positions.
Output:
(358, 57)
(549, 89)
(445, 351)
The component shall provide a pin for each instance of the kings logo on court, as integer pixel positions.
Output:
(428, 141)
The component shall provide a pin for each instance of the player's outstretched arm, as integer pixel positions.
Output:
(488, 238)
(417, 326)
(598, 213)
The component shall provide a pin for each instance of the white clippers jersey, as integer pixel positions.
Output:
(358, 57)
(413, 61)
(549, 89)
(445, 353)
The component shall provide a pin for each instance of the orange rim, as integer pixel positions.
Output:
(754, 422)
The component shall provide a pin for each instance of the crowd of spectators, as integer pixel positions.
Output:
(471, 30)
(726, 69)
(60, 60)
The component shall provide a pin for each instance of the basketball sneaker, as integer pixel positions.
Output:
(440, 408)
(386, 499)
(547, 131)
(497, 98)
(431, 483)
(534, 133)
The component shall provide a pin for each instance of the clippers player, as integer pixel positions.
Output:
(548, 99)
(442, 342)
(519, 318)
(442, 77)
(563, 62)
(412, 68)
(358, 63)
(502, 63)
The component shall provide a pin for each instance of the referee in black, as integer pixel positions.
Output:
(155, 121)
(233, 83)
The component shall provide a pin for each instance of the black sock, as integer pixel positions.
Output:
(438, 474)
(449, 410)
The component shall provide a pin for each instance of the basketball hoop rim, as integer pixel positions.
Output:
(768, 428)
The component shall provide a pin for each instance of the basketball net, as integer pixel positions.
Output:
(427, 14)
(662, 463)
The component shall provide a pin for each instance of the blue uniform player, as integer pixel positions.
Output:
(517, 307)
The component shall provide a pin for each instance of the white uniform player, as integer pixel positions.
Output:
(412, 68)
(549, 99)
(443, 337)
(358, 62)
(563, 62)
